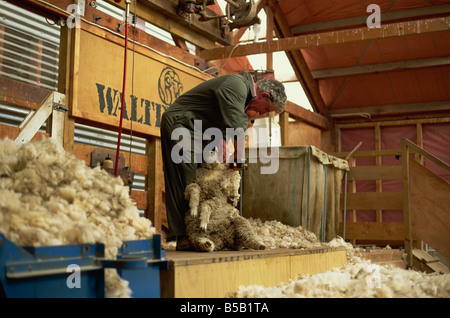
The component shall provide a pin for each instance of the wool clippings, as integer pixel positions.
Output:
(49, 197)
(358, 278)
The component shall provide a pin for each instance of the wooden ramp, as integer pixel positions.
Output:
(424, 262)
(216, 274)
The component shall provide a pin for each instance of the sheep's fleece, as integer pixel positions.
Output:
(49, 197)
(357, 278)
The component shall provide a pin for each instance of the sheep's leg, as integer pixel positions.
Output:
(192, 194)
(245, 235)
(205, 214)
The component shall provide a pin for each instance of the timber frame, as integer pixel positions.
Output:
(381, 232)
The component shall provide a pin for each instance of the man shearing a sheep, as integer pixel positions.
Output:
(228, 101)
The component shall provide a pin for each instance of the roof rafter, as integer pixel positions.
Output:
(386, 17)
(386, 31)
(376, 68)
(307, 116)
(394, 109)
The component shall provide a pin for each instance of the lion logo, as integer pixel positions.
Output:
(169, 86)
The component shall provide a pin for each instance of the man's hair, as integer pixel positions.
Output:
(276, 91)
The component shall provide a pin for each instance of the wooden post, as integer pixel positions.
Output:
(419, 158)
(352, 189)
(337, 137)
(69, 48)
(284, 128)
(378, 162)
(269, 36)
(406, 214)
(154, 183)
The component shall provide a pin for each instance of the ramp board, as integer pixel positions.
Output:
(217, 274)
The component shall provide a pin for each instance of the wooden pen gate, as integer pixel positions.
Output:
(374, 198)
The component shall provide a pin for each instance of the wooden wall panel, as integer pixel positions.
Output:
(373, 231)
(217, 274)
(373, 201)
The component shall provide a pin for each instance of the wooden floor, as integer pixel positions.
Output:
(216, 274)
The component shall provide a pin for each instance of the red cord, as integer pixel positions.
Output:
(123, 97)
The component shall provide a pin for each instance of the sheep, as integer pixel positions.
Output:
(49, 197)
(213, 222)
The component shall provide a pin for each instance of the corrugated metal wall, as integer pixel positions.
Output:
(30, 47)
(29, 50)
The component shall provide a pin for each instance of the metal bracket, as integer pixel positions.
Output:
(59, 102)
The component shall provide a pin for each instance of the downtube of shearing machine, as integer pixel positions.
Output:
(127, 13)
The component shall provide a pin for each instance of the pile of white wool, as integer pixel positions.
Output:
(49, 197)
(275, 234)
(358, 278)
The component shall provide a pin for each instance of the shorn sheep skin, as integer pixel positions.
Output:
(213, 222)
(49, 197)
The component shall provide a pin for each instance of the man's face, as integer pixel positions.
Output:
(260, 106)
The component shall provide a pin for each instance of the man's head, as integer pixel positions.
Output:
(270, 97)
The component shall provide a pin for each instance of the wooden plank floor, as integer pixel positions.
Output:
(216, 274)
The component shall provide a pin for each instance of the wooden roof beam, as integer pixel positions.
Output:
(173, 21)
(382, 67)
(373, 68)
(416, 13)
(386, 31)
(394, 109)
(305, 115)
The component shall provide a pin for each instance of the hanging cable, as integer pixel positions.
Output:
(127, 13)
(132, 78)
